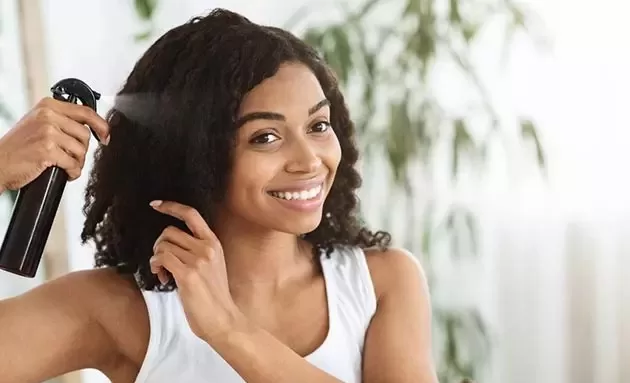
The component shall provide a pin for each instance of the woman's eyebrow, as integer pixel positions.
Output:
(273, 116)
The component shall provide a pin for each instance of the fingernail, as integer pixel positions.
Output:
(162, 277)
(155, 203)
(106, 141)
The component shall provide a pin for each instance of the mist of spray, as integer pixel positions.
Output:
(137, 107)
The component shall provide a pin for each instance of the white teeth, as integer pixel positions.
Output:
(301, 195)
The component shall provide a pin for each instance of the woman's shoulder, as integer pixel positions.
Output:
(110, 295)
(388, 268)
(115, 302)
(393, 269)
(100, 286)
(110, 298)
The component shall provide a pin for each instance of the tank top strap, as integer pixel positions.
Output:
(166, 325)
(352, 281)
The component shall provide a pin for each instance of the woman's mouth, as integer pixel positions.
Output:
(298, 195)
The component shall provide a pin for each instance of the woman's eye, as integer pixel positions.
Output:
(320, 127)
(265, 138)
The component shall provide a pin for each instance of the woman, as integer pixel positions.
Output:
(224, 214)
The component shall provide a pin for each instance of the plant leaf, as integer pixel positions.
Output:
(473, 233)
(412, 7)
(460, 222)
(400, 144)
(518, 17)
(145, 8)
(341, 61)
(422, 45)
(333, 45)
(315, 38)
(461, 144)
(454, 14)
(141, 36)
(529, 132)
(469, 31)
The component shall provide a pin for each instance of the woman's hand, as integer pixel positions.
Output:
(51, 134)
(198, 266)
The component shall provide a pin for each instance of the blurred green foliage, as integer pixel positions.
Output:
(389, 53)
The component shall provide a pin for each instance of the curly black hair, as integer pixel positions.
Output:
(195, 77)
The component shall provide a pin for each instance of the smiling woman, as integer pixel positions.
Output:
(227, 232)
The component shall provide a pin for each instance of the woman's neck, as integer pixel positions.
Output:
(262, 262)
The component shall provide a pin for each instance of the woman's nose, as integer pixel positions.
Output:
(304, 158)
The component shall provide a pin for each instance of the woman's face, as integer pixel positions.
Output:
(286, 154)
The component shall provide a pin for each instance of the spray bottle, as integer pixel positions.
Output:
(37, 202)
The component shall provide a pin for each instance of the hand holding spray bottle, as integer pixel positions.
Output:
(37, 202)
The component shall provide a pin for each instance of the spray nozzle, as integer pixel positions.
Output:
(71, 90)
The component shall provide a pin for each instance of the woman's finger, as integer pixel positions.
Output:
(189, 215)
(166, 261)
(185, 257)
(177, 236)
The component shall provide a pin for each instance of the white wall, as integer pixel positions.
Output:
(550, 251)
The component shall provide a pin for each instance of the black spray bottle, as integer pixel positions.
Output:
(37, 202)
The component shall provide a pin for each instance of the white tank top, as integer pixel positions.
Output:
(175, 354)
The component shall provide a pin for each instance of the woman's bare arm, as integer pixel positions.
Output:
(53, 329)
(398, 340)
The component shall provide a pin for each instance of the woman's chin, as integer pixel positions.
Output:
(300, 226)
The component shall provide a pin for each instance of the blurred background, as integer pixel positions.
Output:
(494, 147)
